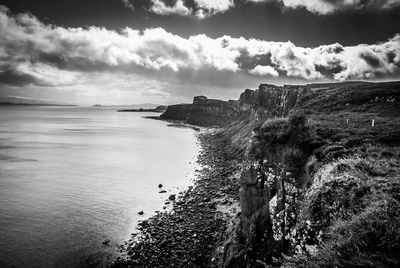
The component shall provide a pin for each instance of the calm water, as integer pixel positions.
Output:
(72, 177)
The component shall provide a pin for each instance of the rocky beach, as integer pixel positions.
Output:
(193, 231)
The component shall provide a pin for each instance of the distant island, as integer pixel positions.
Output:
(127, 106)
(158, 109)
(15, 100)
(34, 104)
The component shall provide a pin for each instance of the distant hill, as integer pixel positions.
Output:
(14, 100)
(158, 109)
(130, 106)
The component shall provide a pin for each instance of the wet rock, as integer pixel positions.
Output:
(190, 233)
(140, 212)
(162, 192)
(160, 185)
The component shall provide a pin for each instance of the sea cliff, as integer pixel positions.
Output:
(294, 176)
(273, 100)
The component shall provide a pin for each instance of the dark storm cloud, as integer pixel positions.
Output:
(371, 59)
(248, 62)
(205, 8)
(47, 55)
(263, 20)
(10, 76)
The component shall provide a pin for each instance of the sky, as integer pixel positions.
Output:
(168, 51)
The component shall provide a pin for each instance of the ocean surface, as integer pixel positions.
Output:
(71, 178)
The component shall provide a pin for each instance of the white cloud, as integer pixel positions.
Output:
(205, 8)
(201, 8)
(264, 71)
(179, 8)
(325, 7)
(56, 56)
(208, 8)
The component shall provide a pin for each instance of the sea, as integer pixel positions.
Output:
(73, 179)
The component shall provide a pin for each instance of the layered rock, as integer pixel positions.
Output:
(268, 101)
(203, 112)
(275, 101)
(253, 236)
(177, 112)
(206, 112)
(283, 215)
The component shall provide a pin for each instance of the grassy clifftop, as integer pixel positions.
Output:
(329, 180)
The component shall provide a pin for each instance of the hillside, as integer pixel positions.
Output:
(323, 187)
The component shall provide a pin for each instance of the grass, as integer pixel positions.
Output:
(346, 171)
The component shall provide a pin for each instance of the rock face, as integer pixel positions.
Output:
(253, 236)
(267, 100)
(206, 112)
(203, 112)
(177, 112)
(275, 101)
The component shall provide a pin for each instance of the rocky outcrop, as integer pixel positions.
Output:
(203, 112)
(267, 100)
(206, 112)
(177, 112)
(273, 100)
(252, 239)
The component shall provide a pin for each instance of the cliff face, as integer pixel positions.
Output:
(203, 112)
(177, 112)
(298, 186)
(273, 100)
(268, 100)
(206, 112)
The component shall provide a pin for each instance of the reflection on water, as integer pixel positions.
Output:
(72, 177)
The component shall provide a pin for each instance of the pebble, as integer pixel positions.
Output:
(188, 235)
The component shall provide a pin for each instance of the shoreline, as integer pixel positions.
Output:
(177, 123)
(193, 231)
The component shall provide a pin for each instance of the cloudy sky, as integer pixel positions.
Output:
(167, 51)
